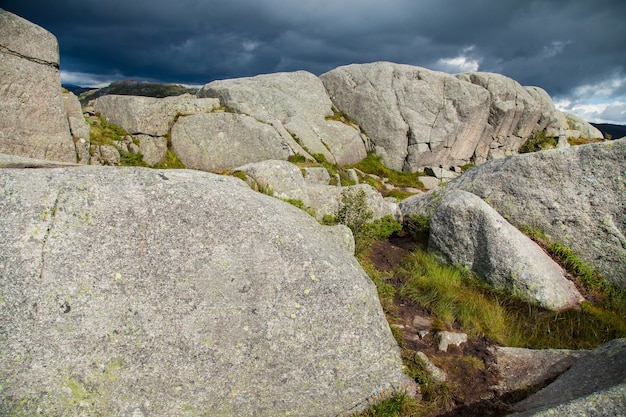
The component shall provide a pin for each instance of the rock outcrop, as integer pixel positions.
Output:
(576, 196)
(78, 127)
(221, 141)
(286, 180)
(132, 291)
(33, 121)
(149, 115)
(580, 128)
(523, 369)
(466, 231)
(414, 116)
(594, 386)
(514, 115)
(296, 104)
(136, 88)
(417, 117)
(282, 178)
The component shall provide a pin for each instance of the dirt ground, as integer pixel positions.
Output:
(470, 369)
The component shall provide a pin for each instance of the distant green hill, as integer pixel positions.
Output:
(136, 88)
(616, 131)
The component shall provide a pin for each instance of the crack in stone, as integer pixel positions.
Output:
(9, 51)
(53, 211)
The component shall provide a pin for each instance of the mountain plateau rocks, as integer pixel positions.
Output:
(33, 119)
(176, 291)
(575, 196)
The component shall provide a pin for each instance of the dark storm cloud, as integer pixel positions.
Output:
(558, 45)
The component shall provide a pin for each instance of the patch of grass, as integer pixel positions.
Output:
(457, 298)
(340, 116)
(399, 194)
(399, 405)
(300, 204)
(538, 142)
(170, 161)
(296, 159)
(582, 141)
(105, 133)
(453, 296)
(417, 226)
(129, 159)
(373, 165)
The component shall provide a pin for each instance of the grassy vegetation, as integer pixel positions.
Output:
(582, 141)
(373, 165)
(538, 142)
(105, 133)
(460, 301)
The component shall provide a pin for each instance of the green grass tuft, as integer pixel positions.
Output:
(538, 142)
(373, 165)
(170, 161)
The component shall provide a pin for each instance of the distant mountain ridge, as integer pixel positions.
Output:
(134, 88)
(616, 131)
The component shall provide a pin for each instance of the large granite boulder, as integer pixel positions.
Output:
(581, 128)
(595, 386)
(138, 292)
(415, 117)
(577, 196)
(221, 141)
(149, 115)
(33, 121)
(466, 231)
(298, 103)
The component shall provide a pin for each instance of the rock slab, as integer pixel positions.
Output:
(468, 232)
(132, 291)
(576, 196)
(595, 386)
(298, 106)
(33, 121)
(415, 117)
(221, 141)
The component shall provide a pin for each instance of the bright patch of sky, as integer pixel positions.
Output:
(604, 102)
(464, 62)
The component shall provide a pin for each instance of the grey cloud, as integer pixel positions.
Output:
(558, 45)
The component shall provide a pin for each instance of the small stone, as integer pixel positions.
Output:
(450, 338)
(437, 374)
(422, 323)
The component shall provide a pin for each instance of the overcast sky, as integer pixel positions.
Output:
(575, 50)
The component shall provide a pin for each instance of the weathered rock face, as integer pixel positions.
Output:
(514, 114)
(577, 196)
(152, 148)
(594, 386)
(131, 291)
(521, 369)
(284, 178)
(33, 122)
(218, 141)
(78, 127)
(414, 116)
(297, 102)
(326, 199)
(466, 231)
(149, 115)
(580, 128)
